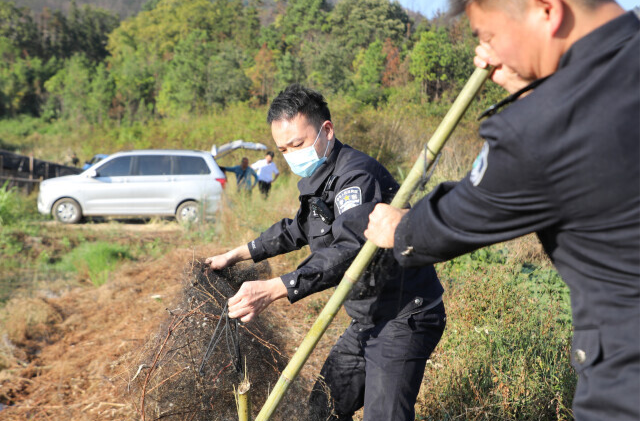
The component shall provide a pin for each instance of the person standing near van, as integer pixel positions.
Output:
(267, 173)
(243, 174)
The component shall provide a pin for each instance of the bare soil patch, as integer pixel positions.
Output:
(127, 225)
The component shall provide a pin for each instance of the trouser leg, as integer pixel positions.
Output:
(267, 189)
(380, 369)
(264, 188)
(395, 360)
(610, 388)
(339, 392)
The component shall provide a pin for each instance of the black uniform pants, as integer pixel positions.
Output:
(380, 368)
(609, 372)
(264, 187)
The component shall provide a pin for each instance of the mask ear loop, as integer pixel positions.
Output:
(324, 155)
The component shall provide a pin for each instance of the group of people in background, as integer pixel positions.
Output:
(261, 173)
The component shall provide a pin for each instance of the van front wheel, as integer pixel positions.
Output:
(188, 212)
(67, 211)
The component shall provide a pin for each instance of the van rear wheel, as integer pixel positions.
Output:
(188, 212)
(67, 211)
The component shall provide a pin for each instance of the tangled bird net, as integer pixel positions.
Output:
(190, 368)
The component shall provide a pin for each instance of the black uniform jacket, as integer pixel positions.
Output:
(561, 162)
(386, 289)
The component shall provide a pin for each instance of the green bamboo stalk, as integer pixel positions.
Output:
(367, 252)
(243, 400)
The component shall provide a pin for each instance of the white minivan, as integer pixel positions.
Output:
(176, 183)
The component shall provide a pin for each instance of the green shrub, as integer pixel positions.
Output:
(7, 205)
(15, 208)
(504, 354)
(94, 261)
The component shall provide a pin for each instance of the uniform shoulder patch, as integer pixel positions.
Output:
(480, 165)
(348, 198)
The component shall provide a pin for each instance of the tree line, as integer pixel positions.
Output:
(187, 56)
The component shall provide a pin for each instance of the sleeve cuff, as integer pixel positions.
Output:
(257, 251)
(403, 243)
(290, 281)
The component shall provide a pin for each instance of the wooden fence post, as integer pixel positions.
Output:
(30, 183)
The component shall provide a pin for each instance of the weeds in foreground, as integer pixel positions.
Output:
(504, 354)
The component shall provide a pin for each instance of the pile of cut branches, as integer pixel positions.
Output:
(190, 368)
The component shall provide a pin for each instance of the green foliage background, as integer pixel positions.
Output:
(192, 56)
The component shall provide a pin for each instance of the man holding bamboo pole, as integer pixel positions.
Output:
(561, 162)
(398, 314)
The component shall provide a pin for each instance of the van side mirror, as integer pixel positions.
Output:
(92, 174)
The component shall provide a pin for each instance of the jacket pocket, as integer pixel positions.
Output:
(585, 349)
(413, 336)
(320, 235)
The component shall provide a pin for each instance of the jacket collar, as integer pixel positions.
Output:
(602, 39)
(608, 36)
(309, 186)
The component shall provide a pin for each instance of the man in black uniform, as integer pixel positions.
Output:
(561, 162)
(398, 314)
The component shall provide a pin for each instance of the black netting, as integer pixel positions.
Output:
(168, 382)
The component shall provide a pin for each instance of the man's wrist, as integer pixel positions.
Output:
(278, 289)
(232, 257)
(239, 254)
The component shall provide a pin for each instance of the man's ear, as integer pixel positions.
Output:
(551, 14)
(328, 128)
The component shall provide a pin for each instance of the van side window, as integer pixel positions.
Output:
(154, 165)
(190, 165)
(118, 167)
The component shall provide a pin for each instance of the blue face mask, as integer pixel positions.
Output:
(305, 162)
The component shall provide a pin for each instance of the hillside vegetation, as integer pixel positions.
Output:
(123, 8)
(75, 80)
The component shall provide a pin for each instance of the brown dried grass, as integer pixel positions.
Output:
(28, 319)
(82, 372)
(101, 336)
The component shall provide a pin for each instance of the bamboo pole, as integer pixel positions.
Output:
(243, 399)
(362, 260)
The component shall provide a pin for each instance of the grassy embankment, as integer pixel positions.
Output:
(504, 354)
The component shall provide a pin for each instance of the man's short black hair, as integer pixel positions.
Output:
(296, 99)
(270, 154)
(457, 7)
